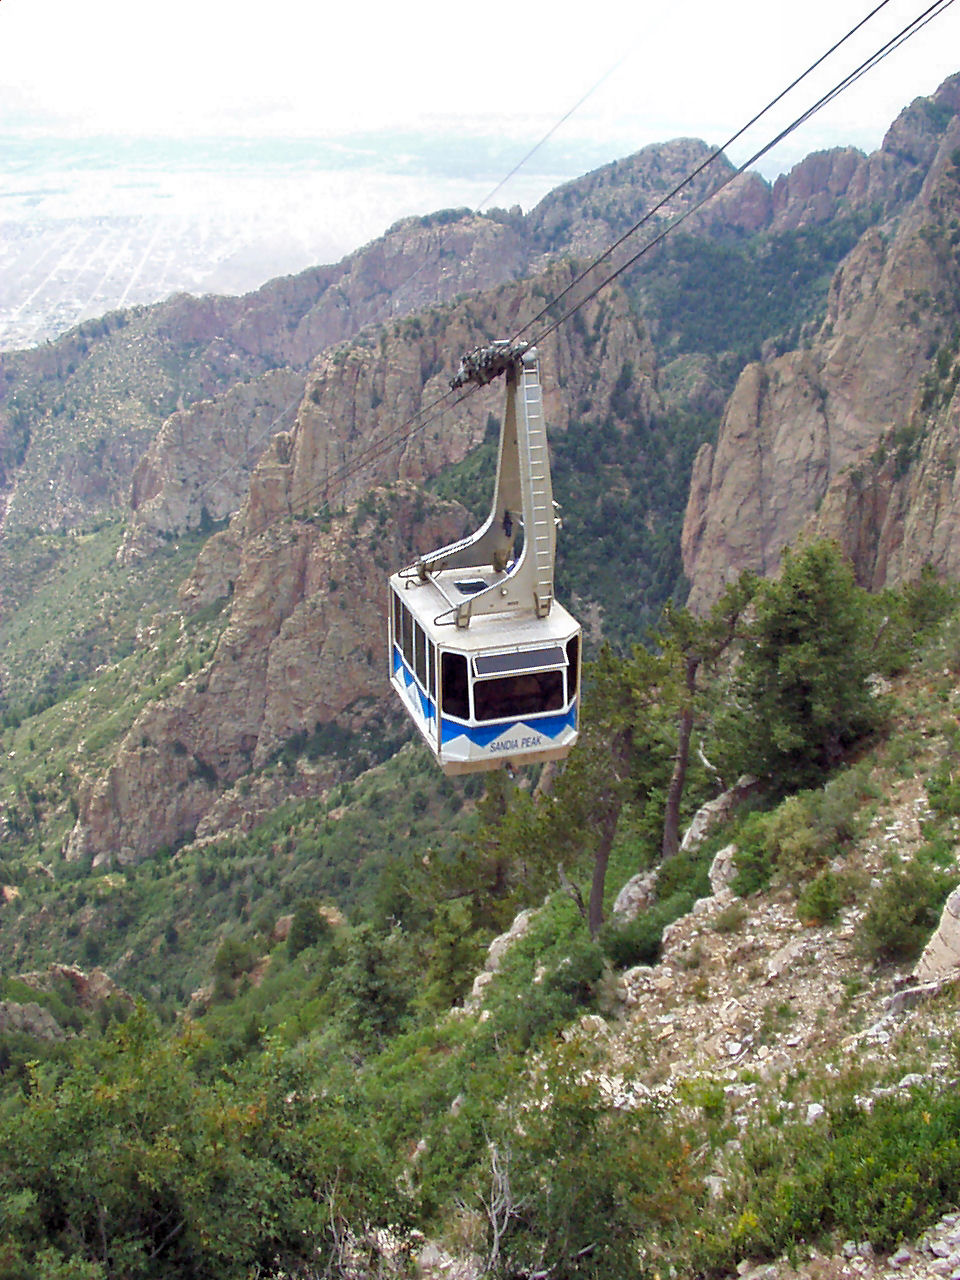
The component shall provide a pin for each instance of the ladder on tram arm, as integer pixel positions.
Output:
(539, 526)
(523, 492)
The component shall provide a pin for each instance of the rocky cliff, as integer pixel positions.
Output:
(306, 639)
(78, 416)
(851, 438)
(83, 419)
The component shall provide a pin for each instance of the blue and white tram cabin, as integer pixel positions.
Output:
(478, 702)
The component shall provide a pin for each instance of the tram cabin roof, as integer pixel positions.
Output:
(489, 631)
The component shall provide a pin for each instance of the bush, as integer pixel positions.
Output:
(821, 900)
(798, 837)
(686, 871)
(234, 958)
(637, 941)
(552, 999)
(306, 928)
(943, 790)
(908, 617)
(731, 919)
(881, 1175)
(904, 911)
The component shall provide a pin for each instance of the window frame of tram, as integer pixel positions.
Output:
(545, 683)
(454, 685)
(418, 650)
(509, 686)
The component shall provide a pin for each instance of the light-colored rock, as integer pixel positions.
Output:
(480, 984)
(499, 947)
(723, 868)
(636, 895)
(784, 958)
(30, 1019)
(715, 811)
(941, 956)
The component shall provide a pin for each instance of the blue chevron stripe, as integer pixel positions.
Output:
(427, 706)
(483, 734)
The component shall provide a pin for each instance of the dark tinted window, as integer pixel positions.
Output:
(453, 678)
(420, 654)
(512, 696)
(406, 635)
(493, 664)
(573, 659)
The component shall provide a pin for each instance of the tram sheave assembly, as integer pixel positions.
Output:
(484, 659)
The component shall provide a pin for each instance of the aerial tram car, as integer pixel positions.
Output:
(485, 661)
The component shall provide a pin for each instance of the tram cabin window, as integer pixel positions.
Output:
(454, 684)
(420, 654)
(406, 636)
(528, 694)
(397, 616)
(573, 665)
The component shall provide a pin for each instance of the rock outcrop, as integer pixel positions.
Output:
(941, 956)
(86, 990)
(29, 1019)
(850, 439)
(305, 642)
(197, 470)
(90, 988)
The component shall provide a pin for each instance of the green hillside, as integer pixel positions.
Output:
(329, 1101)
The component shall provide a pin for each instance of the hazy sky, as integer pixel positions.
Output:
(290, 67)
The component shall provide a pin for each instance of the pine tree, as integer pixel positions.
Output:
(799, 698)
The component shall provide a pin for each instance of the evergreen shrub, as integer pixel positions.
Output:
(800, 699)
(904, 910)
(637, 941)
(795, 840)
(820, 901)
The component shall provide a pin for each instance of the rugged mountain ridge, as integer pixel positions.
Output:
(78, 416)
(580, 218)
(305, 641)
(849, 438)
(106, 388)
(300, 648)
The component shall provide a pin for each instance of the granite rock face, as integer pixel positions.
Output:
(941, 956)
(853, 438)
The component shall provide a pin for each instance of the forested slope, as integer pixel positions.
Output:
(608, 1101)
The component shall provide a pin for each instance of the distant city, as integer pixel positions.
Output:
(89, 226)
